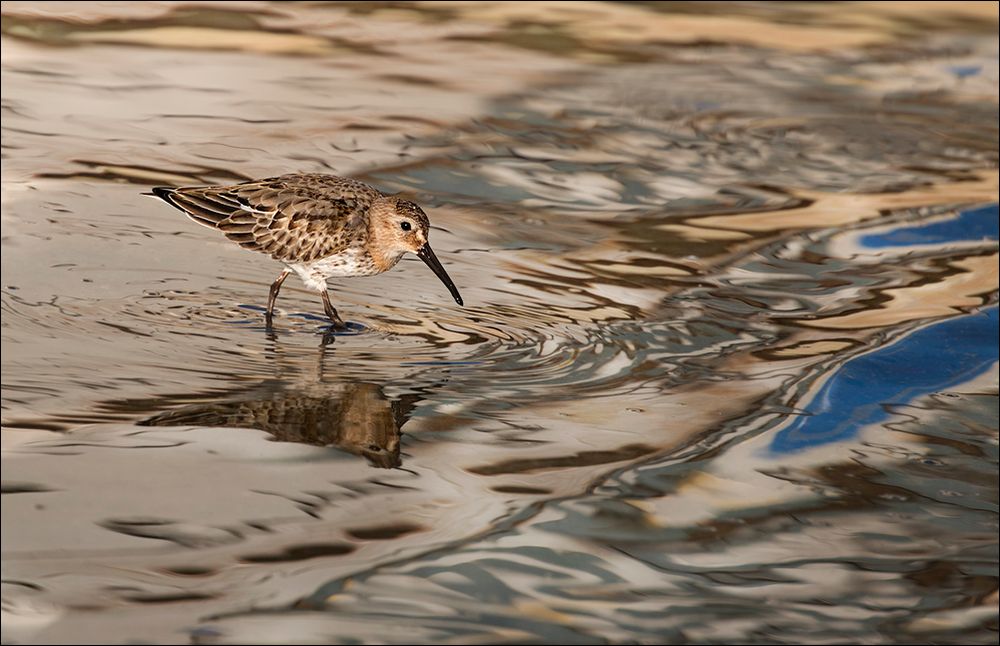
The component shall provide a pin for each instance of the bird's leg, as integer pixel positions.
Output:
(273, 295)
(338, 322)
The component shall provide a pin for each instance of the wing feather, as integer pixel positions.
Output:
(293, 218)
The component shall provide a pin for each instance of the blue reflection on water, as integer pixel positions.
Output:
(934, 358)
(970, 225)
(965, 71)
(937, 357)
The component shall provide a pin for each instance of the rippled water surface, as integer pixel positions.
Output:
(727, 370)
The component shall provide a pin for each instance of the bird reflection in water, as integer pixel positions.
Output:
(353, 416)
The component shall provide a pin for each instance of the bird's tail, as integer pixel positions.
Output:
(197, 208)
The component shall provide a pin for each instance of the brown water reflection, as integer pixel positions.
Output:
(355, 417)
(675, 225)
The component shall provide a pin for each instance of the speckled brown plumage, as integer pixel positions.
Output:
(318, 225)
(293, 218)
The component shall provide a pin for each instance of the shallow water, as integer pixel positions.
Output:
(727, 370)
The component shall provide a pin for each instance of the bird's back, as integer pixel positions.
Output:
(294, 218)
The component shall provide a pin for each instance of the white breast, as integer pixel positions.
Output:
(348, 263)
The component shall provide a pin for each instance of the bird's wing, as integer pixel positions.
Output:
(297, 218)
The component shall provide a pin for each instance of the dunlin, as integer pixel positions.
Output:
(319, 226)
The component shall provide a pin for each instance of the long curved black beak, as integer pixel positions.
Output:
(427, 255)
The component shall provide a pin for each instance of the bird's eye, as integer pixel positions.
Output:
(405, 226)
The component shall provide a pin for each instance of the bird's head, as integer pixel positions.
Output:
(398, 227)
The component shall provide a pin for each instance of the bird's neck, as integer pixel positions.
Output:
(383, 257)
(382, 260)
